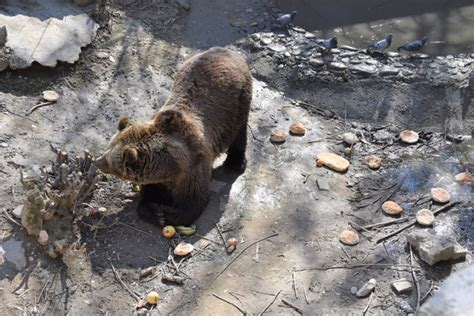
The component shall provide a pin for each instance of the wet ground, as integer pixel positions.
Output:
(279, 192)
(359, 23)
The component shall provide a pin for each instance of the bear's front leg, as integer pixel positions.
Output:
(153, 198)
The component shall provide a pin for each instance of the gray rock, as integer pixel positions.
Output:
(337, 66)
(406, 307)
(393, 54)
(335, 51)
(459, 252)
(17, 211)
(266, 40)
(454, 297)
(299, 29)
(316, 62)
(309, 35)
(363, 70)
(277, 48)
(354, 61)
(432, 248)
(323, 184)
(347, 47)
(353, 290)
(46, 40)
(389, 71)
(367, 288)
(255, 36)
(347, 54)
(296, 51)
(423, 56)
(402, 286)
(371, 62)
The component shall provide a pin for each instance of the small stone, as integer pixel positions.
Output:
(316, 62)
(347, 54)
(254, 24)
(459, 252)
(389, 71)
(266, 40)
(296, 52)
(277, 48)
(431, 248)
(323, 184)
(423, 56)
(297, 129)
(4, 145)
(333, 161)
(463, 177)
(349, 237)
(392, 54)
(391, 208)
(183, 249)
(255, 36)
(373, 162)
(347, 47)
(440, 195)
(406, 307)
(367, 288)
(278, 137)
(102, 210)
(309, 35)
(335, 51)
(350, 138)
(353, 290)
(17, 211)
(337, 66)
(102, 55)
(402, 286)
(43, 238)
(363, 70)
(50, 96)
(409, 137)
(425, 217)
(299, 29)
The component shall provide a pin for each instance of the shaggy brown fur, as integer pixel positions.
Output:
(172, 155)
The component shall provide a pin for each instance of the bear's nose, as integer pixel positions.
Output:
(101, 164)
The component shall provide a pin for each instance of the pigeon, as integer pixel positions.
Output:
(382, 44)
(286, 19)
(414, 46)
(327, 44)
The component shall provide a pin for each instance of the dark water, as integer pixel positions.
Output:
(448, 23)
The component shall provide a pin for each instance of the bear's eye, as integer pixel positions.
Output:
(130, 158)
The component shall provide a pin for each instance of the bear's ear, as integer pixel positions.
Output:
(169, 120)
(123, 122)
(130, 155)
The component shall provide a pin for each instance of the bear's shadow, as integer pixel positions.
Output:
(126, 241)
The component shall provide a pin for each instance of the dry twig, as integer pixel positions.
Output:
(366, 309)
(417, 284)
(270, 304)
(222, 236)
(7, 216)
(296, 308)
(229, 302)
(117, 277)
(243, 250)
(295, 286)
(355, 266)
(39, 106)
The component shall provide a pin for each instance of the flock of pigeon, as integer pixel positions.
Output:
(326, 44)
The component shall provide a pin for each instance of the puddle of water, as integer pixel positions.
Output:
(448, 23)
(13, 255)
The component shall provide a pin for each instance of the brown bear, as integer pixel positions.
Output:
(172, 155)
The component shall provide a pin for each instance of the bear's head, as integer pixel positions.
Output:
(150, 152)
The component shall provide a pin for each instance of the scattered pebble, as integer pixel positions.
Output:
(409, 137)
(353, 290)
(50, 96)
(102, 210)
(402, 286)
(323, 184)
(348, 151)
(367, 288)
(183, 249)
(17, 211)
(102, 55)
(349, 237)
(391, 208)
(169, 231)
(333, 161)
(278, 137)
(425, 217)
(463, 177)
(43, 238)
(4, 145)
(373, 162)
(350, 138)
(152, 298)
(440, 195)
(297, 129)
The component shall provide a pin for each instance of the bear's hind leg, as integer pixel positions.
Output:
(235, 160)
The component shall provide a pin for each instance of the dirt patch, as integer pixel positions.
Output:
(281, 192)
